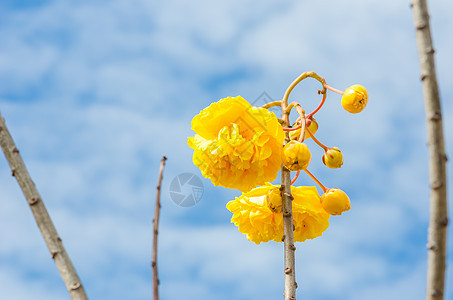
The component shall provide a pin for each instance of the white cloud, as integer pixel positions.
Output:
(12, 286)
(107, 88)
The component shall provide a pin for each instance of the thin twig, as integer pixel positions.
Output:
(156, 231)
(303, 122)
(319, 106)
(299, 79)
(323, 188)
(287, 209)
(288, 225)
(334, 89)
(42, 218)
(437, 233)
(316, 140)
(271, 104)
(295, 177)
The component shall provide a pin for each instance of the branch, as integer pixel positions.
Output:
(296, 82)
(287, 198)
(42, 218)
(288, 237)
(287, 210)
(437, 233)
(156, 231)
(271, 104)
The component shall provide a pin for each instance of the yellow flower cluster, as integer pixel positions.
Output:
(237, 145)
(254, 216)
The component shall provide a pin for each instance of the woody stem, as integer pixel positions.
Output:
(288, 237)
(272, 104)
(303, 122)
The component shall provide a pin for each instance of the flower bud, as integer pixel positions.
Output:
(274, 200)
(335, 201)
(354, 99)
(310, 123)
(296, 156)
(333, 158)
(295, 134)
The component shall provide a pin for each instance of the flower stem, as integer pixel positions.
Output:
(271, 104)
(292, 129)
(156, 231)
(319, 106)
(316, 180)
(316, 140)
(295, 177)
(291, 105)
(288, 237)
(296, 82)
(333, 89)
(303, 122)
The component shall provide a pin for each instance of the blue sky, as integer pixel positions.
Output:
(95, 92)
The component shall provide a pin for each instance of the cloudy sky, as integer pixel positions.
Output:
(95, 92)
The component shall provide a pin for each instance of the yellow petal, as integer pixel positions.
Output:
(259, 223)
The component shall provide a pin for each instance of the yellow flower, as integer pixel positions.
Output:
(333, 158)
(296, 156)
(254, 218)
(312, 126)
(355, 99)
(237, 146)
(335, 201)
(274, 200)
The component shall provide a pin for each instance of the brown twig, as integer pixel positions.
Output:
(42, 218)
(437, 233)
(287, 198)
(156, 231)
(288, 237)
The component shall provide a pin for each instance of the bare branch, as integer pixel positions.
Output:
(288, 237)
(437, 233)
(287, 209)
(42, 218)
(287, 198)
(156, 231)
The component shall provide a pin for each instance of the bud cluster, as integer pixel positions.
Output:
(296, 155)
(242, 147)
